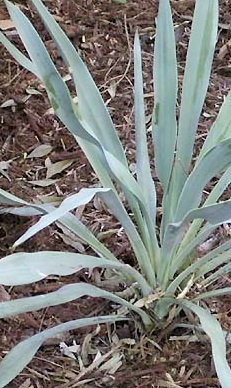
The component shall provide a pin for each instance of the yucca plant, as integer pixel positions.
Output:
(167, 271)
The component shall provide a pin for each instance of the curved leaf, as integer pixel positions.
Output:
(24, 268)
(14, 362)
(215, 161)
(221, 128)
(63, 295)
(214, 331)
(214, 214)
(81, 198)
(91, 105)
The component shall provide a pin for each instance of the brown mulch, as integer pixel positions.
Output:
(103, 33)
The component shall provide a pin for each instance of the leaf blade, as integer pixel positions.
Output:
(213, 330)
(21, 354)
(164, 128)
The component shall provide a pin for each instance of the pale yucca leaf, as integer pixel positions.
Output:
(213, 293)
(182, 256)
(14, 362)
(196, 77)
(213, 329)
(165, 93)
(91, 106)
(77, 227)
(200, 267)
(21, 211)
(60, 98)
(219, 131)
(64, 108)
(93, 114)
(68, 220)
(215, 161)
(223, 270)
(81, 198)
(83, 232)
(125, 179)
(10, 199)
(112, 201)
(22, 59)
(215, 258)
(137, 244)
(213, 196)
(144, 177)
(66, 294)
(56, 88)
(221, 128)
(195, 83)
(143, 173)
(73, 224)
(25, 268)
(58, 93)
(214, 214)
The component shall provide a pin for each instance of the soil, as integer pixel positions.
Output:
(103, 32)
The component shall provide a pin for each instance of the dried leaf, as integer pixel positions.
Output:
(113, 364)
(32, 91)
(112, 90)
(225, 49)
(40, 151)
(4, 167)
(58, 167)
(72, 242)
(4, 296)
(43, 182)
(8, 103)
(101, 236)
(26, 384)
(50, 199)
(69, 351)
(6, 24)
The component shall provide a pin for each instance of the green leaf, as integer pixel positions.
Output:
(137, 244)
(198, 268)
(70, 203)
(56, 88)
(215, 258)
(10, 199)
(222, 271)
(144, 177)
(195, 83)
(221, 128)
(63, 295)
(214, 293)
(212, 198)
(59, 95)
(214, 214)
(128, 183)
(14, 362)
(24, 268)
(20, 58)
(215, 161)
(165, 90)
(90, 103)
(214, 331)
